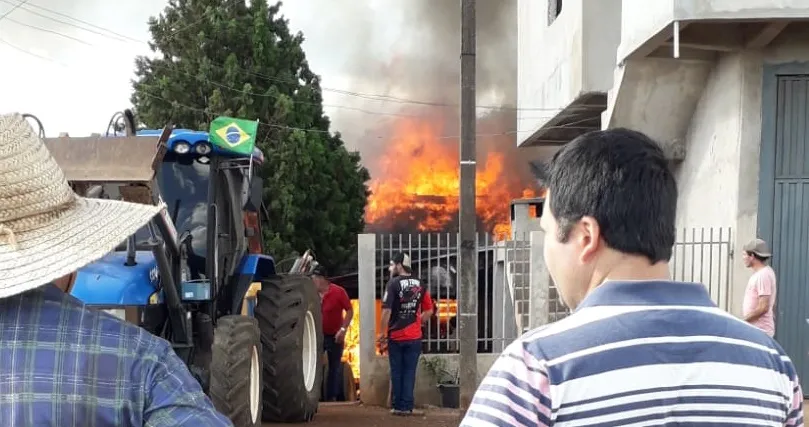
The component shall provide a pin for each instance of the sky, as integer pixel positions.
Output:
(72, 61)
(75, 79)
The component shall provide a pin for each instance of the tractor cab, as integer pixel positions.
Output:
(190, 175)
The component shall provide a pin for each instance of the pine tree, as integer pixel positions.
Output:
(239, 58)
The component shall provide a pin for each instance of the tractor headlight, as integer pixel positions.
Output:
(182, 147)
(202, 148)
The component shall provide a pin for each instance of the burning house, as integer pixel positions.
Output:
(416, 182)
(411, 149)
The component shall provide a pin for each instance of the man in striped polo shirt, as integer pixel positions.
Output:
(638, 349)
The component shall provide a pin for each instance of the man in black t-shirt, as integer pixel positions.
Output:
(405, 306)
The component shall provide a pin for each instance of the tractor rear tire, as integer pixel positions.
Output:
(235, 373)
(288, 314)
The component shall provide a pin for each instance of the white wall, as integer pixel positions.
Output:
(712, 146)
(642, 19)
(558, 62)
(546, 76)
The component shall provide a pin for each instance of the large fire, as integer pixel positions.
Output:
(445, 311)
(416, 180)
(351, 350)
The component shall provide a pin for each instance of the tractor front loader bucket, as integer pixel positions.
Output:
(99, 160)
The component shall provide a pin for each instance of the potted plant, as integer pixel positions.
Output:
(447, 381)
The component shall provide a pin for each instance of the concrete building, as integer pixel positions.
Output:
(722, 84)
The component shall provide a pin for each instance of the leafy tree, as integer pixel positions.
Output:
(239, 58)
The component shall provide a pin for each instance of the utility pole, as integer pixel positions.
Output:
(467, 220)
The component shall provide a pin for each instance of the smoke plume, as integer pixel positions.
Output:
(412, 52)
(424, 61)
(399, 51)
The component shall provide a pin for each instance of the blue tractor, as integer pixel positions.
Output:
(196, 275)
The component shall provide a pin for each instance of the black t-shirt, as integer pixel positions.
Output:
(404, 296)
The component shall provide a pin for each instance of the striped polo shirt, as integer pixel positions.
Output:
(641, 354)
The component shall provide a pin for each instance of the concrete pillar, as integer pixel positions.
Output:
(539, 280)
(366, 258)
(504, 325)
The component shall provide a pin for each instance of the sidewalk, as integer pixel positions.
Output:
(355, 415)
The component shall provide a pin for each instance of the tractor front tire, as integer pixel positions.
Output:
(235, 387)
(288, 314)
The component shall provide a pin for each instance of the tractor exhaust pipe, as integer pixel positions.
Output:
(177, 313)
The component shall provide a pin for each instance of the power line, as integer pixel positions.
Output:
(292, 128)
(275, 126)
(259, 75)
(345, 107)
(45, 30)
(8, 12)
(210, 115)
(98, 30)
(368, 96)
(250, 93)
(57, 13)
(27, 52)
(112, 34)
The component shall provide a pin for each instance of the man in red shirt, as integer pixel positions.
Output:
(337, 314)
(405, 306)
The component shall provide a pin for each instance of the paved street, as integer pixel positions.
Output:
(353, 415)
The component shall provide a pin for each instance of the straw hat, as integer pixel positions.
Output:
(46, 230)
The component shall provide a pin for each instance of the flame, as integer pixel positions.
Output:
(418, 180)
(351, 349)
(445, 310)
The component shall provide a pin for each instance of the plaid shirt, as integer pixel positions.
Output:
(62, 364)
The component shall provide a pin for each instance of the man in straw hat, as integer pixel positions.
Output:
(62, 363)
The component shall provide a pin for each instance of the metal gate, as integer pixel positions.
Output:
(788, 234)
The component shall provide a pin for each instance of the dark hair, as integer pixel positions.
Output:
(621, 178)
(758, 257)
(320, 270)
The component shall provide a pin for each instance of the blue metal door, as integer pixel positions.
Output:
(790, 218)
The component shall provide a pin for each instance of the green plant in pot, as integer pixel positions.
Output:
(447, 380)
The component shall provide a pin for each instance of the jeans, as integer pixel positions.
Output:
(404, 359)
(334, 377)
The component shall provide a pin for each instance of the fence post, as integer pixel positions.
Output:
(539, 281)
(366, 276)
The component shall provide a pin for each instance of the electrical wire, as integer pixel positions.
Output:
(210, 115)
(16, 6)
(367, 96)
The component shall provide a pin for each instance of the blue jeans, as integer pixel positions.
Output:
(334, 377)
(404, 359)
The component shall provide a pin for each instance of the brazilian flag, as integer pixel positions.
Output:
(234, 135)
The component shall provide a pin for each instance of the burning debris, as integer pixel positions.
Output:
(416, 180)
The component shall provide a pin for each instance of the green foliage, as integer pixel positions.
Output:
(439, 369)
(229, 57)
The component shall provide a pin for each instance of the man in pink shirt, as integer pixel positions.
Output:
(759, 297)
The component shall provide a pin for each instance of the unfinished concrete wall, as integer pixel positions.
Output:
(720, 126)
(561, 60)
(643, 19)
(723, 146)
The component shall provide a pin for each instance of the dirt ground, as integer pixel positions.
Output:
(355, 415)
